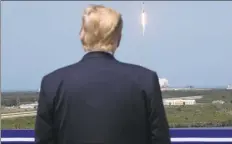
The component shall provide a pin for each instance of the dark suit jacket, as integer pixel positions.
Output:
(100, 100)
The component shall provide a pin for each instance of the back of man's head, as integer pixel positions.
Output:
(101, 29)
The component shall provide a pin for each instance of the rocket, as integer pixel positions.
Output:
(143, 19)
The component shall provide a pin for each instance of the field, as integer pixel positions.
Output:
(5, 110)
(204, 114)
(178, 116)
(207, 95)
(14, 98)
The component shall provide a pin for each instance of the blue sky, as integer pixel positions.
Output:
(189, 43)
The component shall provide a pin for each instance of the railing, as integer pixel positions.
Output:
(179, 135)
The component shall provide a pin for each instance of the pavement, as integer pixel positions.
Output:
(19, 114)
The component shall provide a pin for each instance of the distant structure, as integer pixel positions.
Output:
(163, 82)
(178, 102)
(190, 87)
(17, 101)
(218, 102)
(229, 87)
(29, 106)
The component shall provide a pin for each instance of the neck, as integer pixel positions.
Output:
(102, 51)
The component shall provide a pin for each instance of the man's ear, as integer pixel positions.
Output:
(119, 40)
(81, 34)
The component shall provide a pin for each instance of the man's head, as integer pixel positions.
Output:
(101, 29)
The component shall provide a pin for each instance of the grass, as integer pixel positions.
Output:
(199, 113)
(18, 123)
(11, 98)
(208, 95)
(176, 114)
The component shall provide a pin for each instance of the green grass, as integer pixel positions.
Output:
(11, 98)
(199, 113)
(18, 123)
(208, 95)
(181, 115)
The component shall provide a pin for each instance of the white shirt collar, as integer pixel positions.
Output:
(102, 51)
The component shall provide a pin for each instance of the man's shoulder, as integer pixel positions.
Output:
(59, 73)
(138, 69)
(145, 77)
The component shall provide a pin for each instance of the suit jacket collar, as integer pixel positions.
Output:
(98, 54)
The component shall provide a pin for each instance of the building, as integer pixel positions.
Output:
(218, 102)
(229, 87)
(178, 102)
(29, 106)
(163, 82)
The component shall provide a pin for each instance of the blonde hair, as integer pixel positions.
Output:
(101, 29)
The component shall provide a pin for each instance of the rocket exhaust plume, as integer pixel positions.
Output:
(143, 22)
(143, 19)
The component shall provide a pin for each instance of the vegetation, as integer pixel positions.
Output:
(208, 95)
(203, 115)
(18, 123)
(14, 98)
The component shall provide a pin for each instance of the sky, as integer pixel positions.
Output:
(189, 43)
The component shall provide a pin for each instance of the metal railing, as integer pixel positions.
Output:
(179, 135)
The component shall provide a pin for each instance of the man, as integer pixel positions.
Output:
(100, 100)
